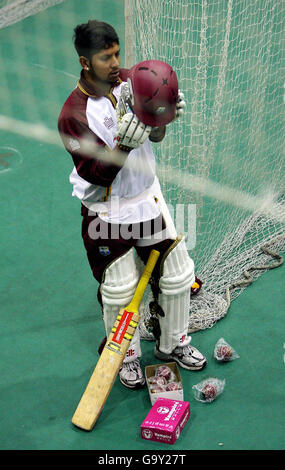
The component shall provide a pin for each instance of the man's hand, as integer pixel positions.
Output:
(180, 106)
(131, 132)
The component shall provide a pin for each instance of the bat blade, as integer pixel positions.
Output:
(112, 356)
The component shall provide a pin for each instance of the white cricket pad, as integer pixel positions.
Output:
(174, 299)
(117, 289)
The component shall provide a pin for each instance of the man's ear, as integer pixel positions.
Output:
(84, 62)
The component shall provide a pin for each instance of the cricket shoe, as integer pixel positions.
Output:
(187, 357)
(131, 374)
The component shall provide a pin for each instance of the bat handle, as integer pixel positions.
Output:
(143, 282)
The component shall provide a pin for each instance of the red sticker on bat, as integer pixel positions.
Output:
(122, 327)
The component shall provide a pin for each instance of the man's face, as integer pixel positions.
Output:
(105, 64)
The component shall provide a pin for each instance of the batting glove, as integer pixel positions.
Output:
(131, 132)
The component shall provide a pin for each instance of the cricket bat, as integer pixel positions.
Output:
(112, 356)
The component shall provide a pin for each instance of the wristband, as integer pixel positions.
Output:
(124, 148)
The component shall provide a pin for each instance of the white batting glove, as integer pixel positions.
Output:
(180, 106)
(132, 132)
(123, 103)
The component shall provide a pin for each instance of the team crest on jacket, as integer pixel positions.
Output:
(108, 122)
(104, 250)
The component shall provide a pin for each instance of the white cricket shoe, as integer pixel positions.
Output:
(187, 357)
(131, 374)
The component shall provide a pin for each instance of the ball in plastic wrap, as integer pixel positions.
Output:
(156, 388)
(159, 380)
(173, 386)
(163, 380)
(224, 352)
(210, 392)
(164, 371)
(209, 389)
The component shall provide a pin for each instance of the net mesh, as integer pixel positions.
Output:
(13, 11)
(222, 165)
(226, 155)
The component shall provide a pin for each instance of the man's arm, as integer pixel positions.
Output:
(94, 162)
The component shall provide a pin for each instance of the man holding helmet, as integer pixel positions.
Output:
(107, 124)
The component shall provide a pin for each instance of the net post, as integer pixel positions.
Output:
(129, 34)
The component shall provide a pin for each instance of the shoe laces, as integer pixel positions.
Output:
(185, 350)
(132, 365)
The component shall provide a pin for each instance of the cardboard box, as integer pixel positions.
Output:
(165, 420)
(174, 394)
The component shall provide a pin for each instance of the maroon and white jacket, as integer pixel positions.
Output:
(119, 194)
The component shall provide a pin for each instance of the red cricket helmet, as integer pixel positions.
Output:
(153, 92)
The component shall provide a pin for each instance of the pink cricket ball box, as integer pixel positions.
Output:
(165, 420)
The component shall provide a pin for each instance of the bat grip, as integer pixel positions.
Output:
(143, 282)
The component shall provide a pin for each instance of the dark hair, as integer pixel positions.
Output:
(90, 38)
